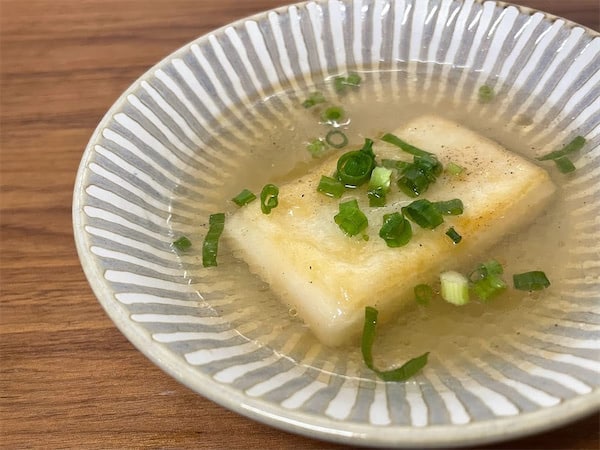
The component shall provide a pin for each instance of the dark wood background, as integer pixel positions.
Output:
(69, 379)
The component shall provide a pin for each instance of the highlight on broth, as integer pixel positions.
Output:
(360, 186)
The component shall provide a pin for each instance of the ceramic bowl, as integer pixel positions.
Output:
(154, 166)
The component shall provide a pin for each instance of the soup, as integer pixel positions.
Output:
(267, 143)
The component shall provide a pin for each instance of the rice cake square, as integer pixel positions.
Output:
(329, 277)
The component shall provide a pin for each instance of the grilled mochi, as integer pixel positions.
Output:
(329, 277)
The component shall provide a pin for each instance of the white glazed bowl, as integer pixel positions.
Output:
(155, 158)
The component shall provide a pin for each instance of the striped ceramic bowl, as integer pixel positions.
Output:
(156, 161)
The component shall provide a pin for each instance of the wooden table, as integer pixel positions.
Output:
(69, 379)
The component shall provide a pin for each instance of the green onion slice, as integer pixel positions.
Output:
(487, 282)
(575, 145)
(379, 185)
(413, 182)
(452, 234)
(336, 139)
(342, 83)
(452, 207)
(402, 373)
(316, 147)
(354, 168)
(395, 140)
(454, 287)
(531, 281)
(210, 247)
(419, 175)
(333, 114)
(244, 197)
(182, 244)
(564, 164)
(486, 94)
(396, 231)
(350, 218)
(489, 287)
(269, 198)
(330, 187)
(313, 99)
(423, 213)
(454, 169)
(400, 166)
(339, 83)
(423, 294)
(353, 79)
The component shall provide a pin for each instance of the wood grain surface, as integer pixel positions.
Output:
(68, 378)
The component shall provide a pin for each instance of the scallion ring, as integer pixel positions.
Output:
(333, 114)
(182, 243)
(531, 281)
(350, 218)
(330, 187)
(452, 207)
(423, 213)
(269, 198)
(453, 235)
(336, 138)
(396, 231)
(244, 197)
(354, 168)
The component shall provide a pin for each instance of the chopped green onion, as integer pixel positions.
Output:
(417, 177)
(423, 294)
(576, 144)
(313, 99)
(489, 287)
(342, 83)
(244, 197)
(269, 198)
(454, 287)
(452, 207)
(379, 185)
(350, 218)
(354, 168)
(330, 187)
(492, 267)
(339, 84)
(486, 94)
(413, 182)
(182, 244)
(486, 279)
(430, 165)
(396, 231)
(353, 79)
(423, 213)
(395, 140)
(564, 164)
(402, 373)
(531, 281)
(333, 114)
(316, 147)
(336, 139)
(400, 166)
(454, 169)
(210, 247)
(452, 234)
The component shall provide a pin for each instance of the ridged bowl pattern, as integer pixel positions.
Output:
(153, 166)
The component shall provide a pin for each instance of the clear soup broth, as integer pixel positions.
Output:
(266, 142)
